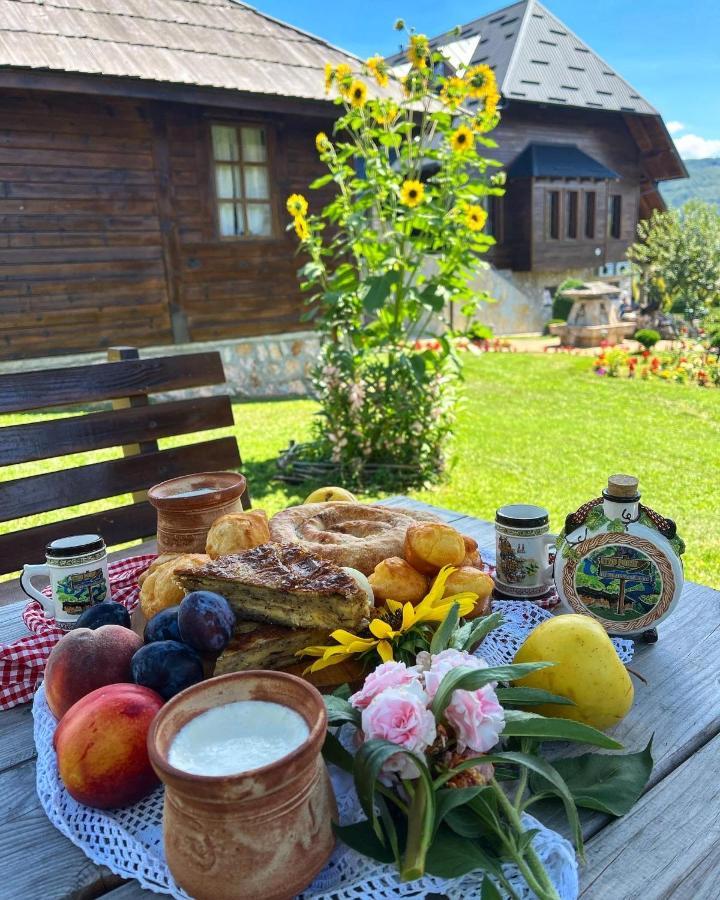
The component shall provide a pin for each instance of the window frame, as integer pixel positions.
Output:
(268, 165)
(552, 194)
(615, 230)
(572, 203)
(590, 215)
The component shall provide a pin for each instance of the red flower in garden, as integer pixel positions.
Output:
(683, 359)
(645, 353)
(632, 362)
(604, 342)
(702, 377)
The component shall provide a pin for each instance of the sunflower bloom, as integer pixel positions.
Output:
(385, 114)
(453, 92)
(378, 68)
(419, 51)
(301, 228)
(343, 76)
(357, 94)
(297, 205)
(395, 621)
(322, 142)
(329, 76)
(480, 81)
(475, 217)
(462, 139)
(412, 193)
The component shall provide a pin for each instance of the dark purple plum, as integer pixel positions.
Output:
(206, 622)
(163, 626)
(106, 613)
(167, 667)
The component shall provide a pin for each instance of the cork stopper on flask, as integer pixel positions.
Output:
(622, 486)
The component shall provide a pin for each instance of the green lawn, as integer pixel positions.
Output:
(538, 429)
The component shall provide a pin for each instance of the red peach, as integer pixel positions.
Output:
(101, 745)
(85, 659)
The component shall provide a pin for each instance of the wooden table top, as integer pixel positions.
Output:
(668, 846)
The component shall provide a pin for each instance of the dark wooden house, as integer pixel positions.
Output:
(146, 152)
(583, 154)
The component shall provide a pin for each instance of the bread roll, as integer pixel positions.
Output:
(236, 532)
(468, 578)
(161, 589)
(472, 556)
(155, 564)
(431, 545)
(396, 579)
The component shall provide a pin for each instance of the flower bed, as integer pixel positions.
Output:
(686, 365)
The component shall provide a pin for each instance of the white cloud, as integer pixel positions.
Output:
(674, 127)
(692, 146)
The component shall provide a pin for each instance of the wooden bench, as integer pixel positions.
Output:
(134, 424)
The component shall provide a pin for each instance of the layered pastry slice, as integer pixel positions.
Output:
(258, 646)
(284, 585)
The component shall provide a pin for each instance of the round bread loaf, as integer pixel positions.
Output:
(359, 535)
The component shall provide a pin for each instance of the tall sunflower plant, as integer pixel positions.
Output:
(397, 244)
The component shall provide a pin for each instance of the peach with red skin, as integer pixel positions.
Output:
(85, 659)
(101, 745)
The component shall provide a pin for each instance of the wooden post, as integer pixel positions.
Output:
(117, 354)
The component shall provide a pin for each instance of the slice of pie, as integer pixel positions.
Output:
(284, 585)
(257, 646)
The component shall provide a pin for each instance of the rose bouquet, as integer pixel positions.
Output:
(447, 762)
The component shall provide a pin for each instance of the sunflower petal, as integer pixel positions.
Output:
(384, 648)
(380, 629)
(408, 618)
(393, 605)
(344, 637)
(438, 587)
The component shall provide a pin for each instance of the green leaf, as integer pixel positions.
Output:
(334, 752)
(609, 783)
(525, 724)
(480, 629)
(543, 768)
(525, 696)
(489, 891)
(321, 181)
(378, 288)
(464, 678)
(450, 856)
(442, 635)
(447, 799)
(434, 296)
(339, 711)
(362, 838)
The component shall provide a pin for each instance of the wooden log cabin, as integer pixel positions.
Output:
(146, 152)
(147, 148)
(583, 154)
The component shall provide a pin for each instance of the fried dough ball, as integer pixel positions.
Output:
(236, 532)
(468, 578)
(472, 554)
(155, 564)
(161, 589)
(431, 545)
(396, 579)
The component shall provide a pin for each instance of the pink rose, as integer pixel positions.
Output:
(387, 675)
(400, 715)
(442, 663)
(477, 718)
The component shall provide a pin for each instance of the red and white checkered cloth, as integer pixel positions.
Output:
(22, 662)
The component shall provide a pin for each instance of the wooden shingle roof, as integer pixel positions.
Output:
(204, 43)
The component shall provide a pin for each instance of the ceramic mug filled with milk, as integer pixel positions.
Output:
(248, 801)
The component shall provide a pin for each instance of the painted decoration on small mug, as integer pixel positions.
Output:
(523, 547)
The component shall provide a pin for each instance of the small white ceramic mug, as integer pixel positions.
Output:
(77, 569)
(523, 547)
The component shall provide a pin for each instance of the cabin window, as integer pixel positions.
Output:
(615, 216)
(553, 214)
(242, 181)
(590, 214)
(571, 214)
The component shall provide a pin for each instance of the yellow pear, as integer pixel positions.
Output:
(587, 671)
(330, 495)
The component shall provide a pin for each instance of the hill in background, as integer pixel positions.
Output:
(703, 183)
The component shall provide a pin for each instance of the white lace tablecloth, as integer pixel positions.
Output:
(129, 841)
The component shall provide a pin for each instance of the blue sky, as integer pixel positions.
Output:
(668, 50)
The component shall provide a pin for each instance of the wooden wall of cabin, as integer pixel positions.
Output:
(235, 287)
(603, 136)
(81, 261)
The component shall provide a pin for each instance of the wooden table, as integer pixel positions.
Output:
(667, 846)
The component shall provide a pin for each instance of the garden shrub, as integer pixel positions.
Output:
(562, 304)
(648, 337)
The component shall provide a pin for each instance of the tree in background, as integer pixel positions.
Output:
(398, 242)
(677, 260)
